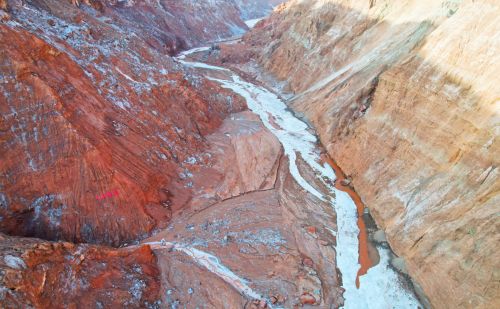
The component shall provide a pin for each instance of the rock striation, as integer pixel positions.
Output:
(251, 9)
(404, 96)
(40, 274)
(89, 105)
(106, 139)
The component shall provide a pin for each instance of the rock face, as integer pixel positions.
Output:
(237, 164)
(193, 22)
(174, 25)
(40, 274)
(251, 9)
(104, 138)
(98, 127)
(260, 229)
(404, 97)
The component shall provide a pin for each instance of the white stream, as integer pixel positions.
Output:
(212, 264)
(381, 286)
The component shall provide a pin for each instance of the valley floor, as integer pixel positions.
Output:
(273, 226)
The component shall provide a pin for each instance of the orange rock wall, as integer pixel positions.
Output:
(88, 108)
(39, 274)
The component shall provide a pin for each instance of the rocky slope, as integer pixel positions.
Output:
(251, 9)
(98, 128)
(106, 139)
(100, 132)
(166, 25)
(39, 274)
(404, 97)
(195, 22)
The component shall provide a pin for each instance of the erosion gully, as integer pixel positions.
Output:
(366, 285)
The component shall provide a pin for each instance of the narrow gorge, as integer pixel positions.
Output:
(249, 154)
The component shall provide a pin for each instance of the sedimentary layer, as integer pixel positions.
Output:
(39, 274)
(99, 128)
(404, 96)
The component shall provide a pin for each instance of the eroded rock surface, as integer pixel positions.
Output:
(404, 97)
(97, 128)
(264, 230)
(251, 9)
(104, 138)
(40, 274)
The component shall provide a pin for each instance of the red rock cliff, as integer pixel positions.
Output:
(39, 274)
(99, 128)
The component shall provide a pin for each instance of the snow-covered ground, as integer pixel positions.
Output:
(183, 55)
(252, 22)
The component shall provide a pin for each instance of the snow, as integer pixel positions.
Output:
(252, 22)
(4, 202)
(14, 262)
(192, 51)
(122, 104)
(380, 287)
(292, 134)
(214, 265)
(126, 76)
(200, 65)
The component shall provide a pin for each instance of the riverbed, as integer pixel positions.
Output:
(377, 287)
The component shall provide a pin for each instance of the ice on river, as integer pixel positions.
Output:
(380, 287)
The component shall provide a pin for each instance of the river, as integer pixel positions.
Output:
(380, 287)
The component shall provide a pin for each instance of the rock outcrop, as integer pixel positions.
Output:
(251, 9)
(258, 221)
(173, 25)
(106, 139)
(40, 274)
(98, 127)
(404, 96)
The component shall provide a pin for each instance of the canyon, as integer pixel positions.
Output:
(159, 154)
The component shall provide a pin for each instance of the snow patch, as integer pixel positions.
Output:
(214, 265)
(14, 262)
(252, 22)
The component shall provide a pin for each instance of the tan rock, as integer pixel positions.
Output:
(3, 5)
(404, 95)
(324, 242)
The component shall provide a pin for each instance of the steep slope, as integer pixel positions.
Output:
(404, 96)
(98, 130)
(106, 139)
(40, 274)
(251, 9)
(174, 25)
(197, 21)
(166, 25)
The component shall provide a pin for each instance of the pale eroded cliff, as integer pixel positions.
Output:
(404, 95)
